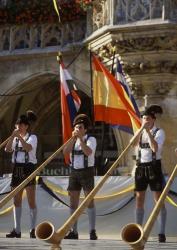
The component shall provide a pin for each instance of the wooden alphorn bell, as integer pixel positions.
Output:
(45, 230)
(31, 176)
(133, 233)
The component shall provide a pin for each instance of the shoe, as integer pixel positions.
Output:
(162, 238)
(72, 236)
(93, 235)
(32, 234)
(13, 234)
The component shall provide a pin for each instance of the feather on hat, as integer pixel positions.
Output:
(82, 118)
(153, 110)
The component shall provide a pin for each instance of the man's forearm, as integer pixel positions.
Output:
(26, 146)
(87, 150)
(8, 147)
(69, 147)
(153, 144)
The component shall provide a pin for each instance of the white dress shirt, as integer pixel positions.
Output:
(146, 153)
(32, 140)
(79, 159)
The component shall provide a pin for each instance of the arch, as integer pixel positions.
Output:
(41, 93)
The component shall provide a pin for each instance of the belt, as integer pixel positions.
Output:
(146, 164)
(82, 169)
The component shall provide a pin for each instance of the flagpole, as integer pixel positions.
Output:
(114, 55)
(91, 85)
(103, 165)
(92, 105)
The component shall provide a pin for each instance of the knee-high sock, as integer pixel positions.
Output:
(139, 215)
(17, 218)
(92, 217)
(33, 217)
(162, 220)
(74, 227)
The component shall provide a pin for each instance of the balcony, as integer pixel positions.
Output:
(41, 36)
(121, 12)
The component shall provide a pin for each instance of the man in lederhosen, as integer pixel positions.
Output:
(23, 145)
(82, 157)
(149, 171)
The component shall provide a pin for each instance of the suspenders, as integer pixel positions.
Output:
(79, 152)
(20, 149)
(146, 145)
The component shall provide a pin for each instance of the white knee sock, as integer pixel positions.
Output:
(139, 215)
(33, 217)
(74, 227)
(92, 217)
(17, 218)
(162, 220)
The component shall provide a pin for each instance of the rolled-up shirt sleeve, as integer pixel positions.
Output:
(160, 139)
(91, 143)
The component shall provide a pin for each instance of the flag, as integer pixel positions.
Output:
(111, 102)
(70, 103)
(121, 78)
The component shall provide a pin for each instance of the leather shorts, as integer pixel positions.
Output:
(20, 172)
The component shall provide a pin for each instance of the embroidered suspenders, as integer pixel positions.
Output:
(20, 149)
(80, 152)
(146, 145)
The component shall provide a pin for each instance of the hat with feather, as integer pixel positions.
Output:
(82, 118)
(27, 118)
(152, 111)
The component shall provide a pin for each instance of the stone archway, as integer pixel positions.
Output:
(41, 93)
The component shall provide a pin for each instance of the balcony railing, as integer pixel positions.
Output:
(41, 36)
(117, 12)
(104, 12)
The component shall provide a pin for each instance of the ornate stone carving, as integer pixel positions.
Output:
(161, 88)
(21, 37)
(73, 32)
(5, 38)
(147, 44)
(130, 11)
(136, 89)
(99, 14)
(106, 51)
(172, 10)
(139, 44)
(41, 36)
(51, 35)
(127, 11)
(150, 67)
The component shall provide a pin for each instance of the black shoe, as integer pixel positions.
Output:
(13, 234)
(32, 234)
(162, 238)
(72, 236)
(93, 235)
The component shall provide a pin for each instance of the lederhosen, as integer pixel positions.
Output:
(148, 172)
(81, 178)
(22, 170)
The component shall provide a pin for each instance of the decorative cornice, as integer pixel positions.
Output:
(139, 44)
(139, 67)
(147, 44)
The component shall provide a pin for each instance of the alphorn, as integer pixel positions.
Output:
(45, 230)
(133, 233)
(30, 177)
